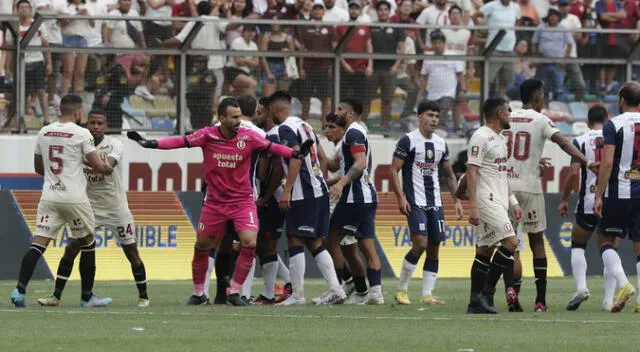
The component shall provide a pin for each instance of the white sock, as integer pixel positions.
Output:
(612, 261)
(638, 278)
(579, 268)
(207, 280)
(609, 287)
(283, 271)
(376, 290)
(405, 275)
(325, 264)
(269, 273)
(428, 282)
(248, 283)
(297, 266)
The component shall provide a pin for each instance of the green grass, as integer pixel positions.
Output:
(168, 326)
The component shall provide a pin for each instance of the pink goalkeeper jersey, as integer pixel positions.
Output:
(227, 162)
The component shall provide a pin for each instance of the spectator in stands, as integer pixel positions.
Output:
(53, 36)
(239, 9)
(588, 45)
(386, 40)
(610, 15)
(355, 73)
(522, 68)
(437, 15)
(98, 8)
(315, 74)
(405, 9)
(75, 33)
(502, 13)
(442, 79)
(369, 8)
(238, 72)
(304, 13)
(280, 9)
(157, 31)
(274, 69)
(120, 33)
(574, 72)
(407, 75)
(457, 43)
(189, 8)
(208, 39)
(552, 45)
(37, 64)
(200, 93)
(528, 10)
(334, 13)
(112, 89)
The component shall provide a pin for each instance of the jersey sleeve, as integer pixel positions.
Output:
(116, 151)
(38, 149)
(609, 133)
(576, 143)
(86, 143)
(273, 138)
(402, 148)
(549, 128)
(445, 156)
(199, 138)
(356, 141)
(288, 136)
(477, 149)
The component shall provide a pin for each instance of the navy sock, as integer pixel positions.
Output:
(361, 284)
(431, 265)
(339, 274)
(411, 258)
(374, 277)
(346, 274)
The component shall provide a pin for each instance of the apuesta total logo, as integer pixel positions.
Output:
(565, 235)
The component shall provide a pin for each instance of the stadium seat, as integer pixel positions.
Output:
(161, 123)
(559, 107)
(579, 110)
(129, 110)
(579, 128)
(564, 128)
(610, 99)
(162, 106)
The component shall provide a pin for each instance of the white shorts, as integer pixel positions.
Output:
(52, 216)
(520, 239)
(534, 217)
(495, 224)
(348, 240)
(121, 225)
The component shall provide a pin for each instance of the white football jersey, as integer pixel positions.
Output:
(106, 193)
(488, 151)
(525, 142)
(63, 147)
(590, 144)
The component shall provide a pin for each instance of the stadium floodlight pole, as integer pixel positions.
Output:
(181, 105)
(336, 64)
(486, 68)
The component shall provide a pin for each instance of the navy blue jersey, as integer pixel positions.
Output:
(361, 189)
(623, 132)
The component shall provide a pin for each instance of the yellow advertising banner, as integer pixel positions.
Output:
(456, 252)
(164, 234)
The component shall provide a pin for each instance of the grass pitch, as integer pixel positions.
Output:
(169, 326)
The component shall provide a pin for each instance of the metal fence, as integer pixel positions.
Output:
(188, 86)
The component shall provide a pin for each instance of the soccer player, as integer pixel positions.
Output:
(525, 141)
(305, 199)
(108, 200)
(58, 156)
(590, 143)
(270, 172)
(620, 176)
(420, 154)
(489, 203)
(227, 151)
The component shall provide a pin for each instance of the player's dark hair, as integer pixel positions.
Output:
(598, 114)
(529, 88)
(249, 27)
(23, 2)
(428, 105)
(264, 101)
(97, 111)
(630, 92)
(455, 7)
(69, 104)
(355, 105)
(226, 103)
(382, 2)
(491, 106)
(333, 118)
(280, 95)
(204, 8)
(248, 105)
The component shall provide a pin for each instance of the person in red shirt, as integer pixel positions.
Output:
(227, 151)
(355, 72)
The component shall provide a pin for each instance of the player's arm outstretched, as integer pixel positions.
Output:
(606, 165)
(574, 152)
(569, 184)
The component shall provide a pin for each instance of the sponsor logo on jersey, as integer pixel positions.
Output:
(58, 134)
(306, 229)
(520, 119)
(633, 174)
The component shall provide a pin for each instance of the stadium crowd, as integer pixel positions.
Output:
(111, 79)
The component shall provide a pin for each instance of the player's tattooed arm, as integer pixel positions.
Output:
(571, 149)
(396, 166)
(359, 164)
(603, 176)
(452, 184)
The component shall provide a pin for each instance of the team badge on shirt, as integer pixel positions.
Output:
(241, 144)
(475, 150)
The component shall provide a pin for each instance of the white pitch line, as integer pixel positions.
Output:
(99, 311)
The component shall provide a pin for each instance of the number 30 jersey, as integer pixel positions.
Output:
(590, 144)
(525, 142)
(63, 147)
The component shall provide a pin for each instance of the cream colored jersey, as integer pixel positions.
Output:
(525, 141)
(488, 151)
(106, 193)
(63, 147)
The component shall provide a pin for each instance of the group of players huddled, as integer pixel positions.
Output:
(265, 169)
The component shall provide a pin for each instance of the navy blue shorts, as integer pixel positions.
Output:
(355, 219)
(427, 221)
(308, 218)
(588, 222)
(621, 218)
(271, 221)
